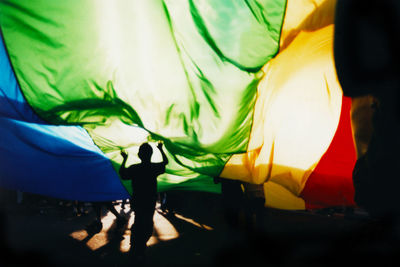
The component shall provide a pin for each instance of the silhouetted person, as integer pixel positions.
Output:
(254, 200)
(144, 194)
(97, 225)
(77, 208)
(367, 63)
(232, 200)
(20, 196)
(124, 202)
(163, 201)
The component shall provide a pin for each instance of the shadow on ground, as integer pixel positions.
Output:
(38, 232)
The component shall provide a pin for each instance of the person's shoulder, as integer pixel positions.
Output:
(159, 164)
(134, 166)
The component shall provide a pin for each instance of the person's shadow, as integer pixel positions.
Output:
(111, 251)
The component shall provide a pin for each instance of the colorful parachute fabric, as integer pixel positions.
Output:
(245, 90)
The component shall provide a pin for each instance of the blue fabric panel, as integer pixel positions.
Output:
(57, 161)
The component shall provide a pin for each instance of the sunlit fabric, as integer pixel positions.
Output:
(246, 90)
(330, 183)
(185, 71)
(60, 161)
(296, 117)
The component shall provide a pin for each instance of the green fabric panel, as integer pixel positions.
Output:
(184, 72)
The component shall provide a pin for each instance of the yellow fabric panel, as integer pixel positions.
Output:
(305, 15)
(277, 196)
(296, 115)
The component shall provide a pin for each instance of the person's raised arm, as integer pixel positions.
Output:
(123, 169)
(165, 159)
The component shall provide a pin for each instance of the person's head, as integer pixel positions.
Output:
(145, 152)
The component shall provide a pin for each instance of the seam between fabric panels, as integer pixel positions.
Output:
(108, 159)
(257, 94)
(280, 32)
(44, 121)
(13, 71)
(17, 80)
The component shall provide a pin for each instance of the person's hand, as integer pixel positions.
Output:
(160, 145)
(124, 154)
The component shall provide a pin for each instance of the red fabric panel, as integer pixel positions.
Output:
(331, 182)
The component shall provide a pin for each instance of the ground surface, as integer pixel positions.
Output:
(42, 232)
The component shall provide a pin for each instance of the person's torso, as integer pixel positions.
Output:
(144, 182)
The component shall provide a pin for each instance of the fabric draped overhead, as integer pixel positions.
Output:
(245, 90)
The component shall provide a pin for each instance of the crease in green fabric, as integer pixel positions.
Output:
(208, 38)
(194, 110)
(258, 11)
(165, 67)
(94, 111)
